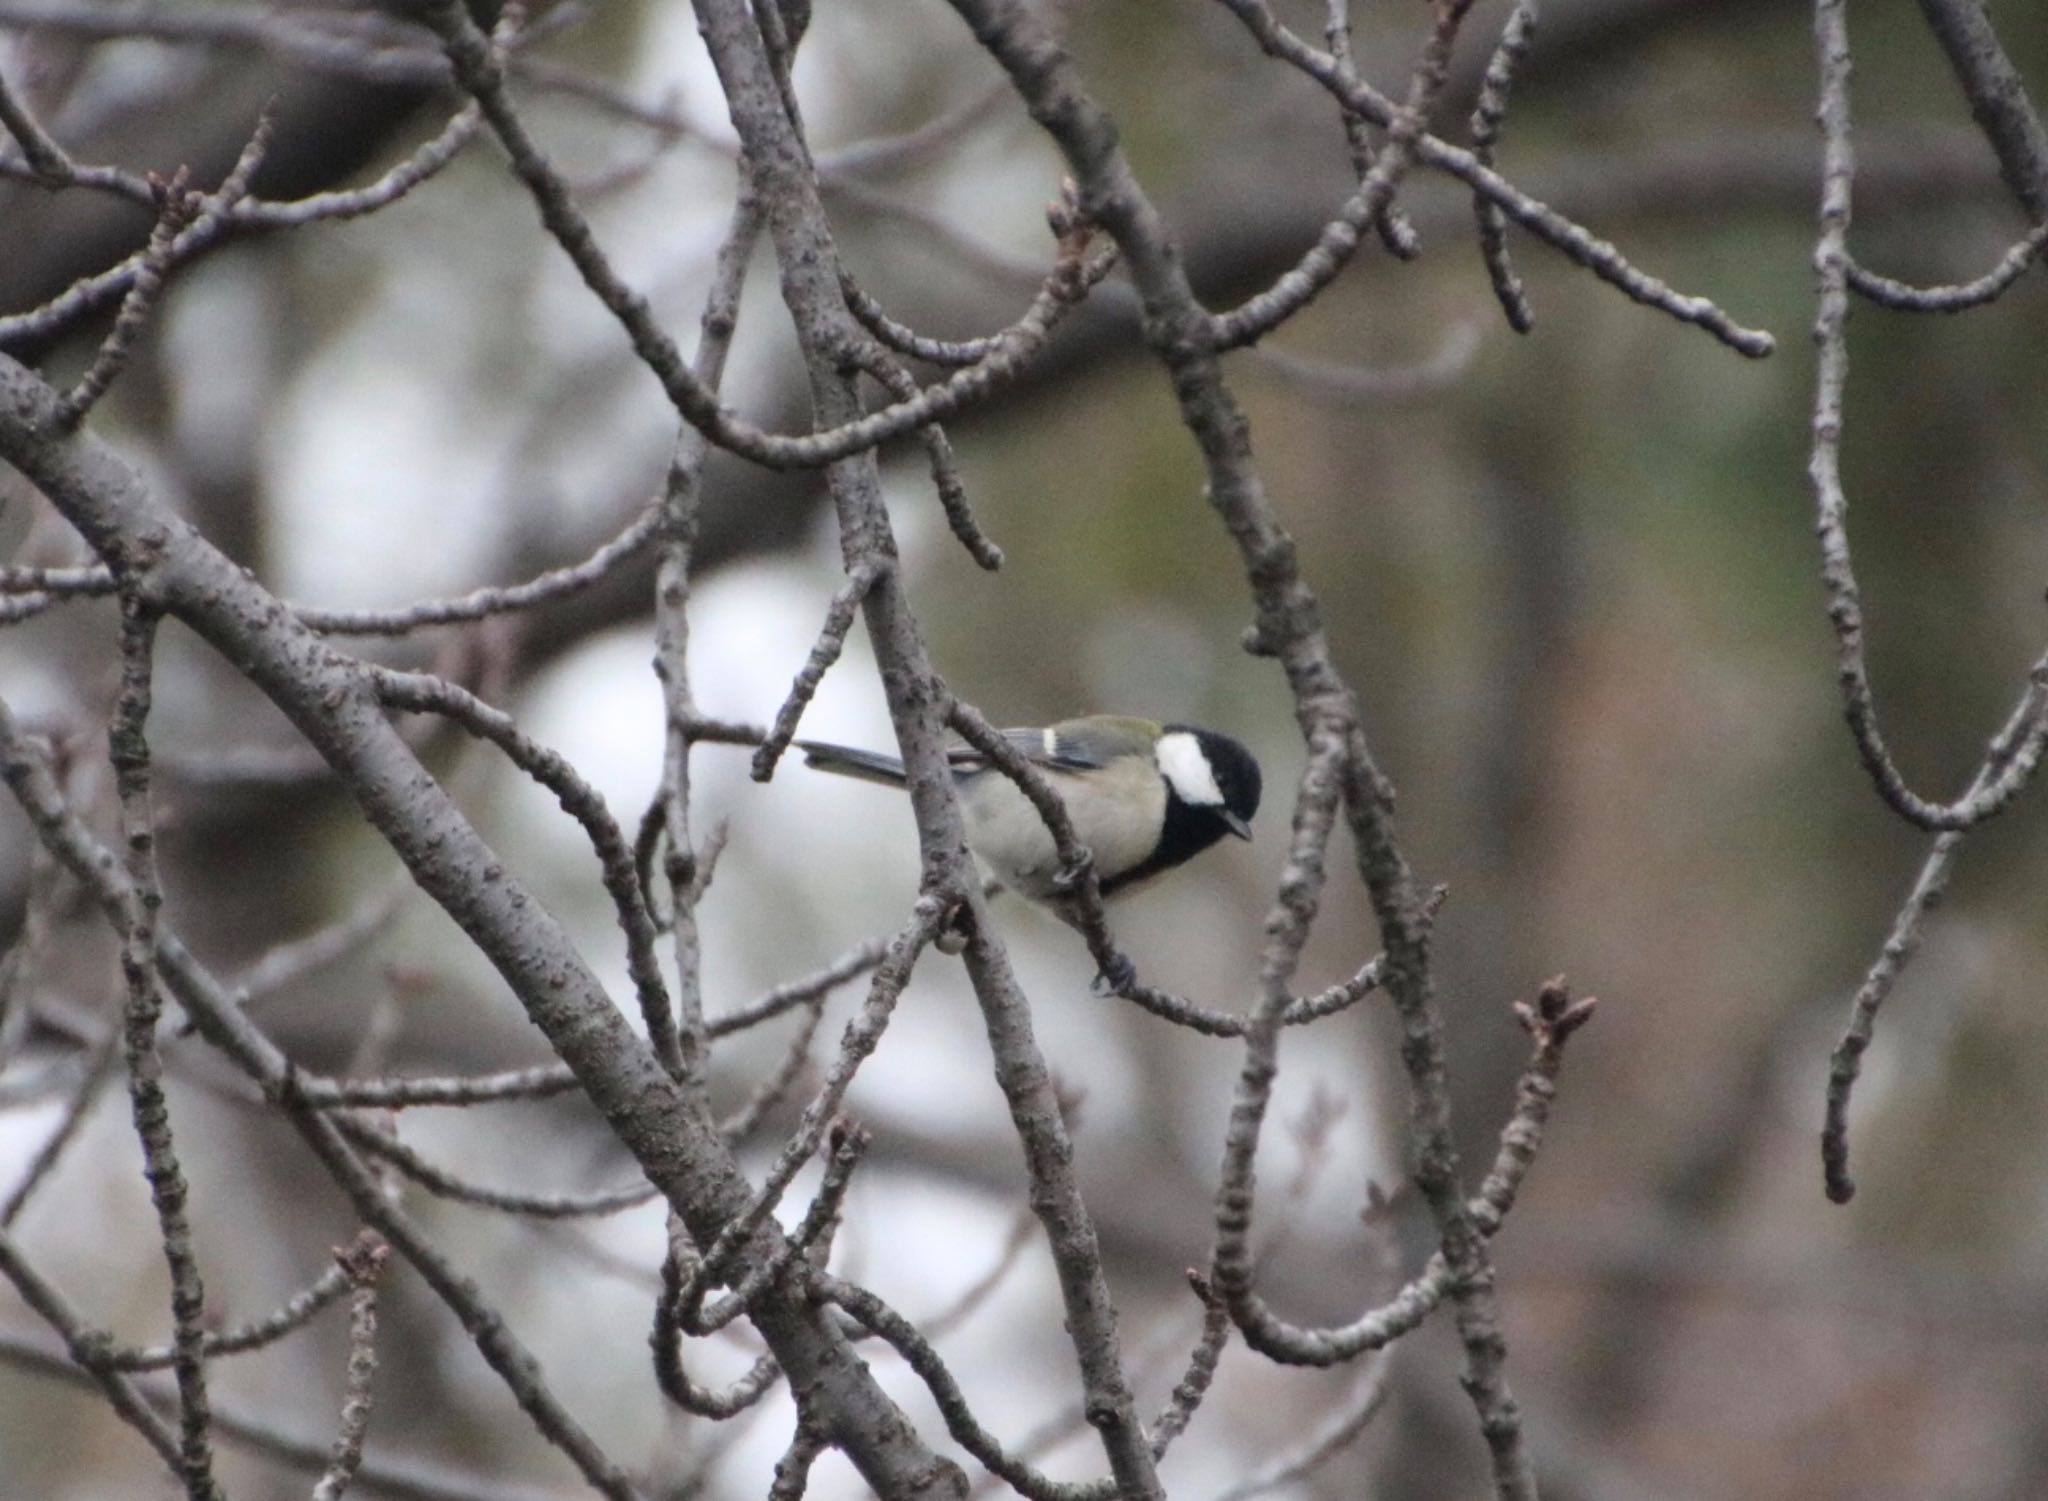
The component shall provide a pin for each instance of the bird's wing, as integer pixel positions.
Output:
(1072, 745)
(1038, 746)
(1042, 748)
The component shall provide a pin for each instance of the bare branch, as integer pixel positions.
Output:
(1392, 226)
(897, 1331)
(1096, 262)
(862, 1036)
(839, 618)
(537, 1083)
(1960, 297)
(1900, 945)
(177, 210)
(375, 47)
(1296, 288)
(812, 1238)
(945, 469)
(381, 1474)
(668, 1130)
(440, 1181)
(45, 158)
(128, 748)
(93, 292)
(1997, 95)
(424, 693)
(1550, 1023)
(793, 1470)
(1328, 380)
(1337, 1433)
(84, 1344)
(1571, 239)
(776, 1085)
(363, 1265)
(83, 1097)
(287, 964)
(1986, 798)
(689, 869)
(290, 1316)
(482, 74)
(1487, 117)
(500, 599)
(222, 1023)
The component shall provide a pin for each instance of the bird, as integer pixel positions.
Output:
(1144, 798)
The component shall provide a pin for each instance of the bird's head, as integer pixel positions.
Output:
(1211, 775)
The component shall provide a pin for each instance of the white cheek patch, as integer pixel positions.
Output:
(1183, 764)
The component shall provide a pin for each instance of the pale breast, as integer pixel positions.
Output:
(1117, 813)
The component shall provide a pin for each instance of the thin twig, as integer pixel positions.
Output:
(1337, 1433)
(1295, 288)
(95, 579)
(1900, 945)
(1096, 265)
(1550, 1024)
(981, 1289)
(438, 1180)
(688, 868)
(482, 74)
(746, 1118)
(1573, 240)
(90, 293)
(289, 1316)
(839, 618)
(380, 1474)
(222, 1023)
(793, 1470)
(427, 694)
(498, 599)
(939, 457)
(128, 749)
(45, 158)
(844, 1144)
(1957, 297)
(862, 1036)
(1394, 230)
(347, 937)
(84, 1343)
(537, 1083)
(1487, 117)
(898, 1332)
(83, 1097)
(1986, 797)
(176, 207)
(177, 210)
(363, 1266)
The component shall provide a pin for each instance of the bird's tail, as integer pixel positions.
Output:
(845, 761)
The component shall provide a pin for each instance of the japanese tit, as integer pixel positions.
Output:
(1143, 798)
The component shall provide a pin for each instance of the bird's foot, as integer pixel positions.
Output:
(1116, 976)
(952, 935)
(1069, 879)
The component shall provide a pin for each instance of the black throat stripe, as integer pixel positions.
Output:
(1187, 831)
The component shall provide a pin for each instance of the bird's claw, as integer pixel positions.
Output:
(1116, 976)
(952, 935)
(1069, 878)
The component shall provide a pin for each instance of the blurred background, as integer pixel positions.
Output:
(1572, 575)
